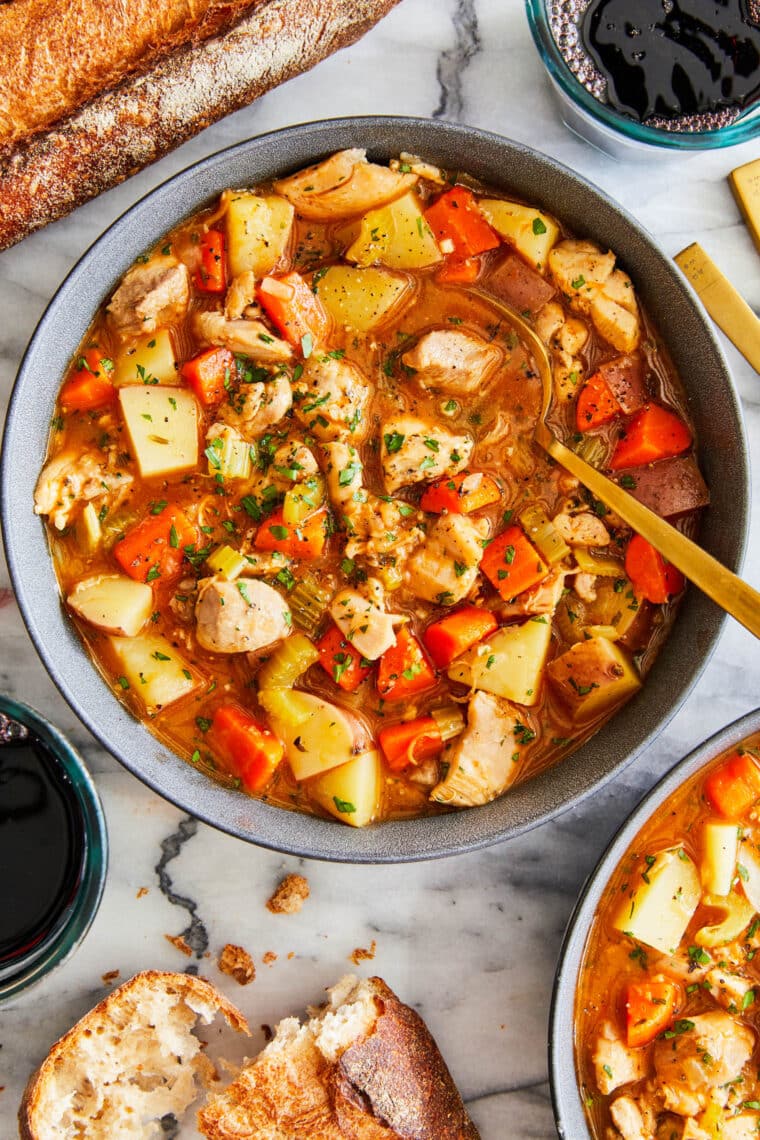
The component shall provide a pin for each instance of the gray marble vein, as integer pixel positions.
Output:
(471, 941)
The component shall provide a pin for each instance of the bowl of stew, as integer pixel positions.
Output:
(278, 527)
(655, 997)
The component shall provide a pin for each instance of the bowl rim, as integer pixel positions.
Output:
(742, 129)
(397, 841)
(569, 1114)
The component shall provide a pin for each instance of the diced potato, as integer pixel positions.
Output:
(509, 664)
(154, 670)
(735, 914)
(317, 735)
(396, 235)
(662, 902)
(532, 233)
(749, 860)
(258, 232)
(149, 360)
(90, 534)
(591, 676)
(362, 299)
(113, 602)
(720, 847)
(351, 792)
(163, 428)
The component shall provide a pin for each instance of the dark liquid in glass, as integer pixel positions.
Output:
(41, 845)
(670, 59)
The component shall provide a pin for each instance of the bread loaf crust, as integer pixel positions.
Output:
(53, 64)
(185, 985)
(122, 130)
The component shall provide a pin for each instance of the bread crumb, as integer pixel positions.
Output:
(179, 943)
(238, 963)
(269, 958)
(290, 896)
(141, 893)
(111, 976)
(291, 955)
(362, 955)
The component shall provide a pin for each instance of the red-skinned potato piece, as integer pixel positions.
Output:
(670, 487)
(625, 376)
(515, 282)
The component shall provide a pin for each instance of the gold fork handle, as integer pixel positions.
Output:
(731, 593)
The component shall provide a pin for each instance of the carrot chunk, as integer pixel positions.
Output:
(512, 563)
(649, 1009)
(90, 386)
(295, 309)
(248, 749)
(653, 433)
(734, 786)
(461, 494)
(297, 540)
(456, 221)
(208, 373)
(342, 661)
(449, 638)
(653, 578)
(459, 271)
(596, 404)
(404, 669)
(212, 275)
(409, 742)
(153, 549)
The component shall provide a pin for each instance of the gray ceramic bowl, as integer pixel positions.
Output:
(568, 1106)
(515, 169)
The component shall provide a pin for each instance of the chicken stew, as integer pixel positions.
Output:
(297, 514)
(666, 1021)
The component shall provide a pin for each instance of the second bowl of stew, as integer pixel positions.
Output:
(655, 999)
(319, 584)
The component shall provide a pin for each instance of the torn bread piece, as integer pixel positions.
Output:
(130, 1061)
(363, 1067)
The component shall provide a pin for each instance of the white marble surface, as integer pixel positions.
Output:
(471, 941)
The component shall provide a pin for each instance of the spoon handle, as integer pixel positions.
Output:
(730, 592)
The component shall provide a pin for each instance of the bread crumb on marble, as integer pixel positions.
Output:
(362, 954)
(238, 963)
(290, 896)
(179, 943)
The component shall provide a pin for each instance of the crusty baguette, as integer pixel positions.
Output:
(365, 1067)
(53, 62)
(124, 129)
(133, 1054)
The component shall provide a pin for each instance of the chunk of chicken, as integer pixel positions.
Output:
(72, 479)
(614, 1063)
(565, 337)
(584, 585)
(331, 398)
(240, 295)
(745, 1126)
(255, 407)
(481, 764)
(251, 338)
(589, 278)
(294, 460)
(453, 361)
(150, 296)
(342, 186)
(728, 989)
(241, 616)
(542, 599)
(634, 1119)
(693, 1065)
(364, 623)
(583, 529)
(445, 567)
(415, 451)
(344, 473)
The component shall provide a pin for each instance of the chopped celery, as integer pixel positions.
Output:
(390, 576)
(290, 659)
(303, 499)
(600, 564)
(593, 449)
(91, 533)
(229, 455)
(227, 562)
(543, 534)
(450, 721)
(308, 603)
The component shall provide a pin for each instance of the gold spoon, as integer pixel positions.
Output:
(732, 594)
